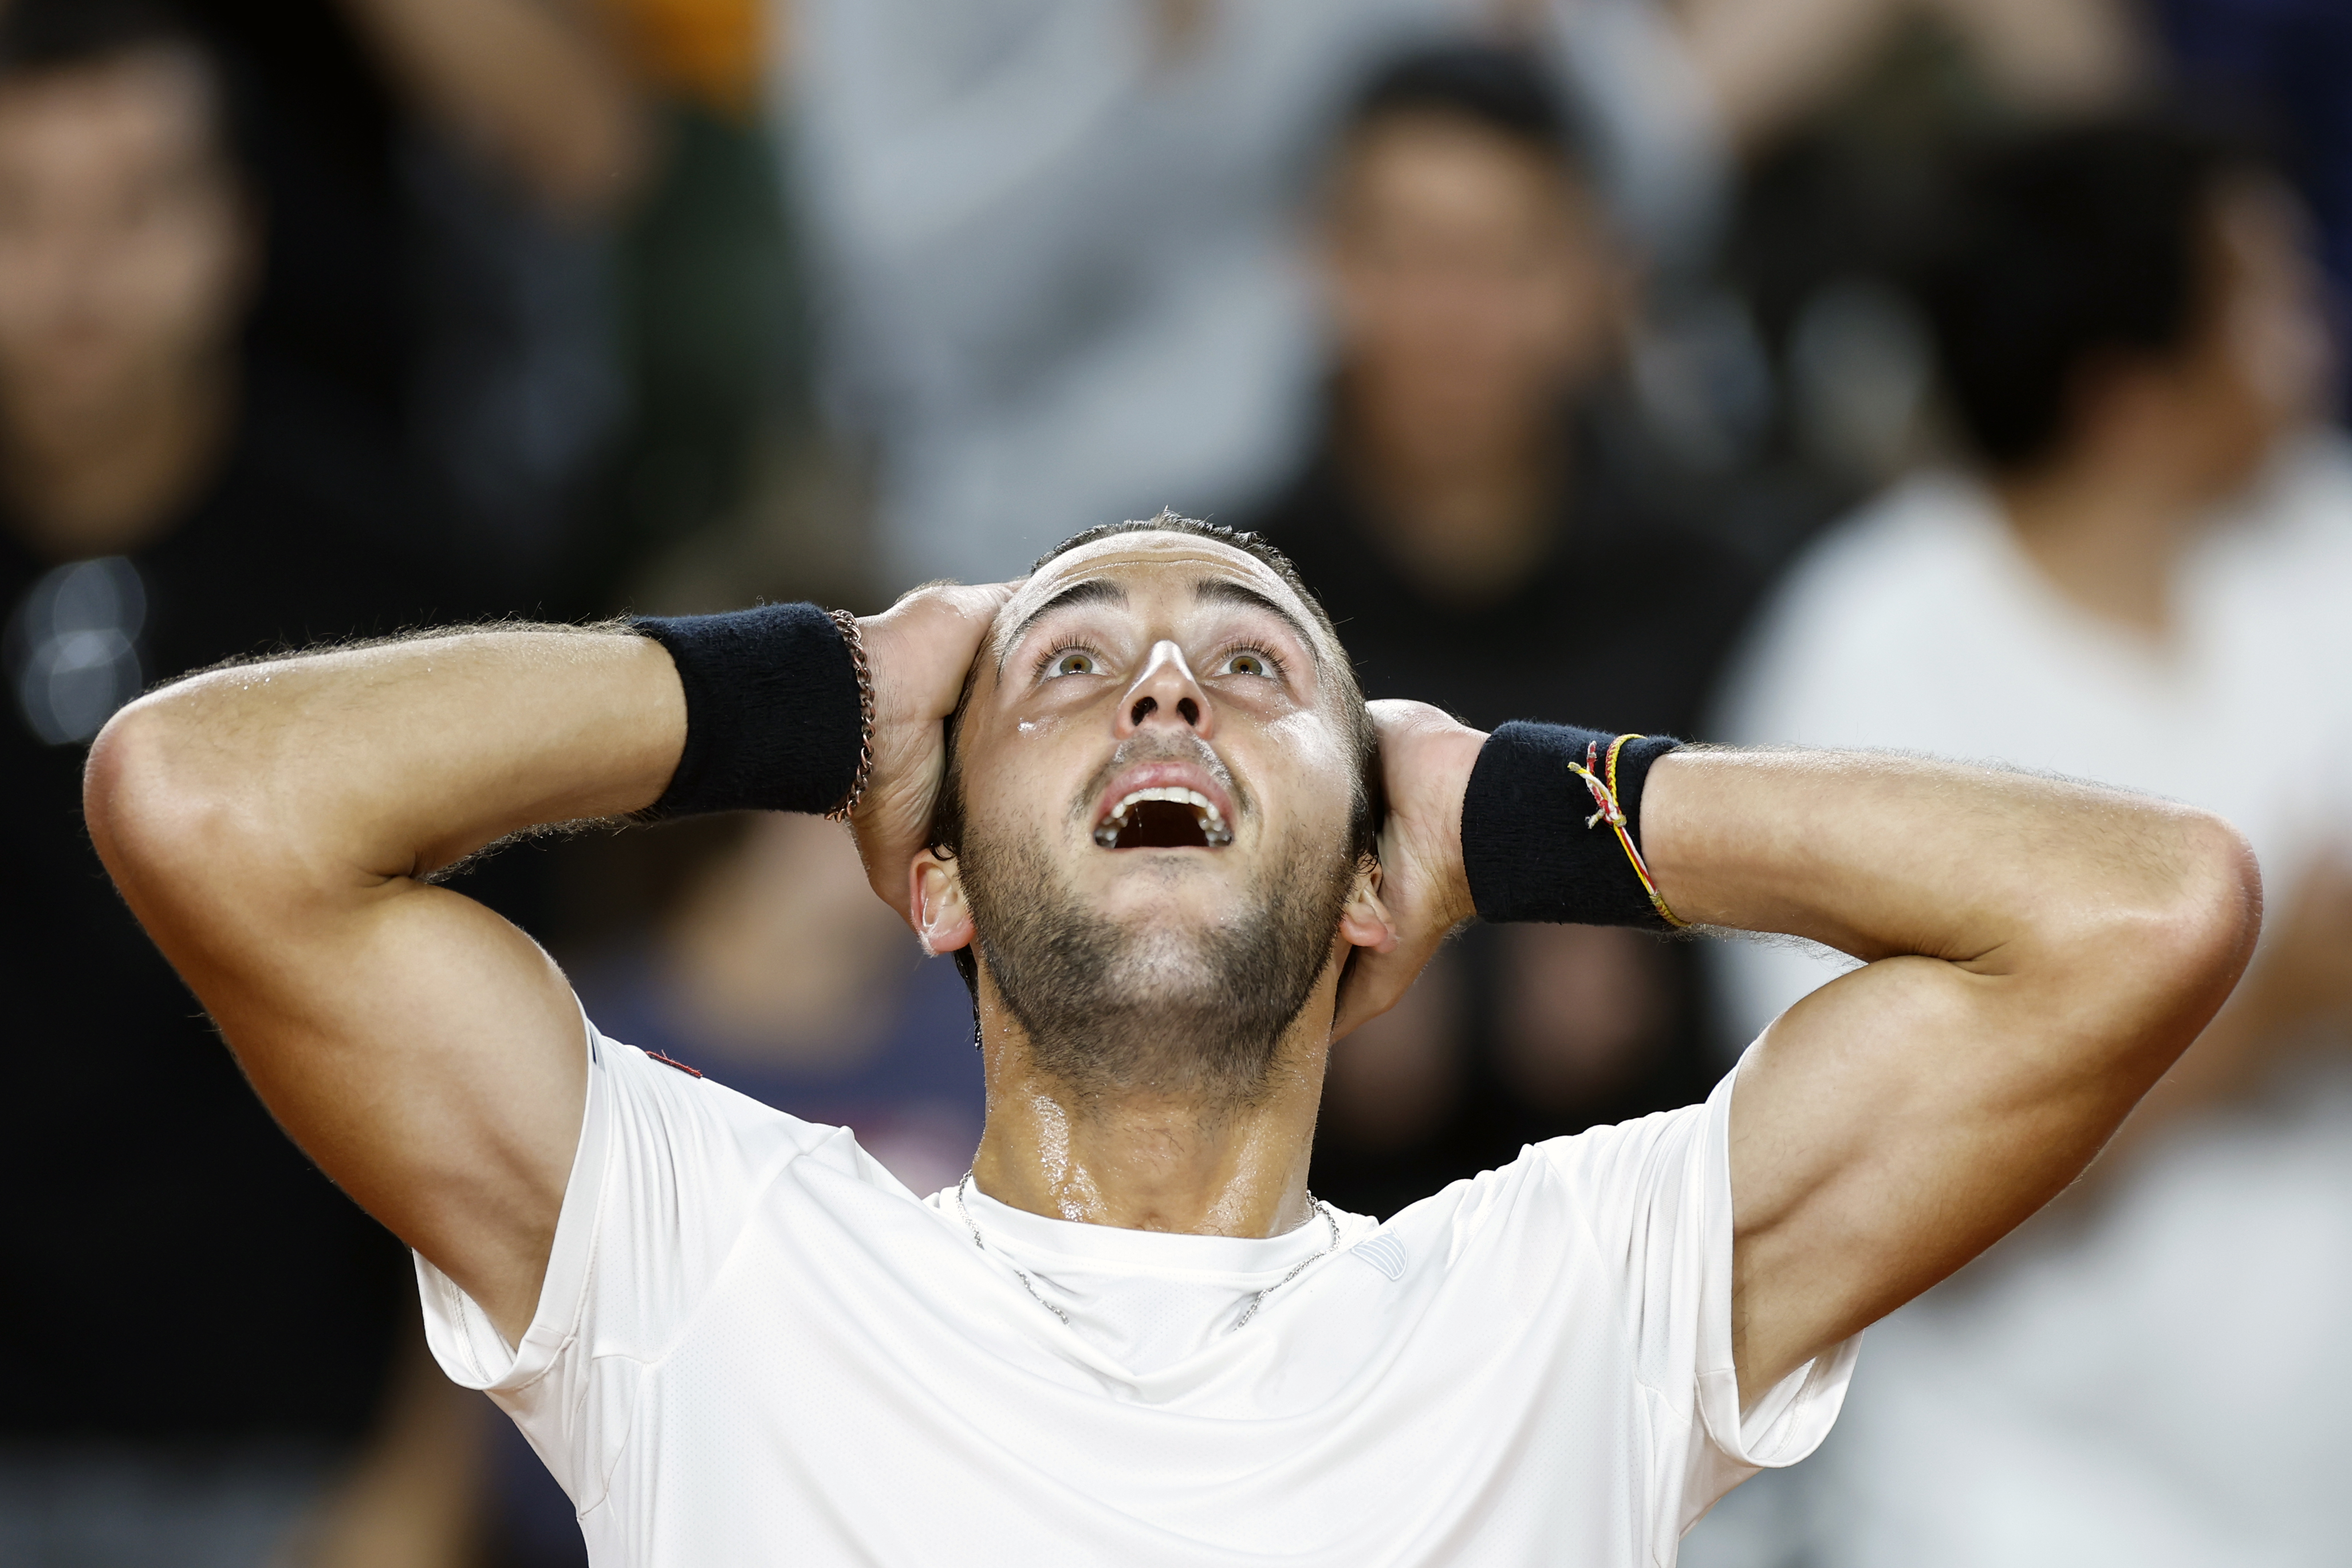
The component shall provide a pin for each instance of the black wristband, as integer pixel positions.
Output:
(772, 717)
(1525, 845)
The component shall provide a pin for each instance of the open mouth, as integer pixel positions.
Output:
(1164, 818)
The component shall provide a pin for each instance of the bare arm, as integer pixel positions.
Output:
(1770, 62)
(2038, 952)
(272, 827)
(533, 84)
(2297, 994)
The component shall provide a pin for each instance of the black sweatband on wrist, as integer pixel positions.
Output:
(772, 717)
(1525, 845)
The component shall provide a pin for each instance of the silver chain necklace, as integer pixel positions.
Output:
(1248, 1312)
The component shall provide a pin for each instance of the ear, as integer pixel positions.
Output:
(1365, 920)
(935, 894)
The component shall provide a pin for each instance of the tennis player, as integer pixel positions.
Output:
(1140, 797)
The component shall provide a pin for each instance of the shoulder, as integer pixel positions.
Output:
(660, 1103)
(1593, 1187)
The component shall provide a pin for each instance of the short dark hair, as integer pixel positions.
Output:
(1366, 806)
(1494, 87)
(43, 37)
(2060, 246)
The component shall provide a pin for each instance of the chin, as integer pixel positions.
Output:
(1177, 891)
(1169, 963)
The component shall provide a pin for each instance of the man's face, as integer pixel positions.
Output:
(2260, 366)
(1158, 776)
(1471, 281)
(123, 243)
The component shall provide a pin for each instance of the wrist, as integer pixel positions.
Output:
(1552, 827)
(774, 719)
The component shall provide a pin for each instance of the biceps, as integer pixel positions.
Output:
(431, 1058)
(1889, 1128)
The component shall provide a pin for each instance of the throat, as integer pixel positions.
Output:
(1141, 1162)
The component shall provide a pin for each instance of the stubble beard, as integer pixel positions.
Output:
(1111, 1010)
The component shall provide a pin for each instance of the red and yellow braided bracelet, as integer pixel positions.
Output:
(1604, 795)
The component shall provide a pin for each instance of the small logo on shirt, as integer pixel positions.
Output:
(1383, 1252)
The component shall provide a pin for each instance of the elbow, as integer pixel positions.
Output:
(2222, 898)
(150, 810)
(2192, 938)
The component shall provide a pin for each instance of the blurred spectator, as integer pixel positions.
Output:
(725, 458)
(1059, 236)
(206, 1329)
(521, 143)
(1804, 368)
(438, 176)
(2285, 64)
(1476, 518)
(1769, 64)
(2143, 581)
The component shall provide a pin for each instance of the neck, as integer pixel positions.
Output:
(107, 477)
(2106, 536)
(1148, 1162)
(1468, 519)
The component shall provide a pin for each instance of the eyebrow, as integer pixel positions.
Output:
(1225, 590)
(1093, 591)
(1207, 591)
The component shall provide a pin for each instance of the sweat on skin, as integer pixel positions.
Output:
(2036, 954)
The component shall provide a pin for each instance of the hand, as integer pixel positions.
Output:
(1425, 763)
(918, 652)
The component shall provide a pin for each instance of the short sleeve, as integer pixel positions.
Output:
(668, 1168)
(1658, 1192)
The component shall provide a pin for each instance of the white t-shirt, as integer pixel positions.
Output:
(1920, 625)
(2137, 1386)
(754, 1346)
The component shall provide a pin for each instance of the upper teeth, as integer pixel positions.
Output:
(1213, 821)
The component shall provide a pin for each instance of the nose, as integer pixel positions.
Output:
(1165, 694)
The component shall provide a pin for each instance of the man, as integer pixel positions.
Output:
(167, 500)
(1475, 480)
(1060, 238)
(2149, 543)
(1134, 787)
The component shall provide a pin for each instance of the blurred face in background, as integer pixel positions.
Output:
(125, 244)
(2253, 367)
(2259, 363)
(1473, 285)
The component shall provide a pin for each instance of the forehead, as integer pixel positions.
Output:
(1151, 569)
(142, 97)
(1411, 151)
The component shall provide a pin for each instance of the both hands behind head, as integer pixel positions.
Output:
(2039, 951)
(921, 652)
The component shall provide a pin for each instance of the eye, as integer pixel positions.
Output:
(1249, 661)
(1074, 661)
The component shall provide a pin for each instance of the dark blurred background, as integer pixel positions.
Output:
(1959, 375)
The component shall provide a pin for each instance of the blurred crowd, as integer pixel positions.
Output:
(1951, 375)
